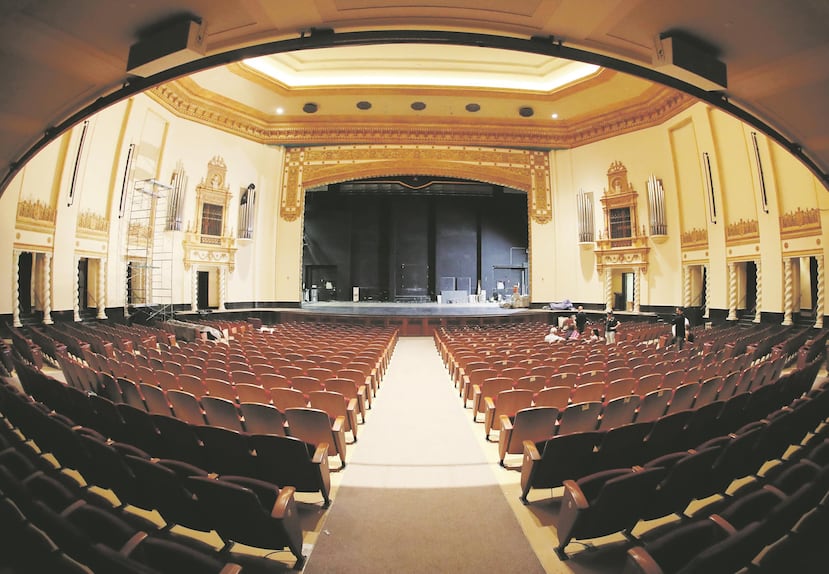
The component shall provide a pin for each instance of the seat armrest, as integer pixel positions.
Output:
(133, 542)
(338, 424)
(320, 454)
(231, 568)
(640, 562)
(283, 502)
(572, 489)
(506, 423)
(530, 451)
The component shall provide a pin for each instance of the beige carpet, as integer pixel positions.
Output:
(419, 493)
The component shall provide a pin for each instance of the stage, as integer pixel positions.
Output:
(409, 309)
(410, 318)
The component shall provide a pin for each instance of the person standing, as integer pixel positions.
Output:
(680, 327)
(610, 326)
(581, 319)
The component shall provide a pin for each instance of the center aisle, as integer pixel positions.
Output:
(418, 494)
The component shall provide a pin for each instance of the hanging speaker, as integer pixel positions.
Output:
(686, 59)
(169, 46)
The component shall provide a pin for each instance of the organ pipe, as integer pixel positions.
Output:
(656, 203)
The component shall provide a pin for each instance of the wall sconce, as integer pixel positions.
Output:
(584, 210)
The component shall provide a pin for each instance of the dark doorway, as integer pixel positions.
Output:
(83, 283)
(751, 288)
(204, 290)
(24, 282)
(813, 282)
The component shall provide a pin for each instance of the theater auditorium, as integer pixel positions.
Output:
(451, 286)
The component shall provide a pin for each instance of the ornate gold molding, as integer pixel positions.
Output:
(694, 238)
(92, 224)
(520, 169)
(800, 223)
(742, 231)
(35, 215)
(186, 99)
(201, 248)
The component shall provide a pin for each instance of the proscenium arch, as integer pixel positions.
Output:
(308, 167)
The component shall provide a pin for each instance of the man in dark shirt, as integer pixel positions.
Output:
(610, 326)
(680, 327)
(581, 319)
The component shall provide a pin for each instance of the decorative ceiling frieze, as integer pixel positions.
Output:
(186, 99)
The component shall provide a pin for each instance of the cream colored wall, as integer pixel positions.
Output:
(673, 152)
(268, 267)
(573, 267)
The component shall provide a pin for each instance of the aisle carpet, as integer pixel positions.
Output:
(417, 494)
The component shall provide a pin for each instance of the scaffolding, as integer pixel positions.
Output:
(149, 252)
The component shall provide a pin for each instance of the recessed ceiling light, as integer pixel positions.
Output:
(418, 106)
(310, 108)
(525, 111)
(554, 116)
(363, 105)
(473, 107)
(280, 111)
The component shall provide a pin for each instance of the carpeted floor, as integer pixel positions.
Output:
(418, 494)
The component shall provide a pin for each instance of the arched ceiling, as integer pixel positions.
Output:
(62, 59)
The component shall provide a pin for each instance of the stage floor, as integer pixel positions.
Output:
(410, 309)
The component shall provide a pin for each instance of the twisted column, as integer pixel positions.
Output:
(47, 290)
(102, 288)
(705, 312)
(759, 298)
(608, 288)
(76, 302)
(194, 303)
(732, 292)
(637, 274)
(16, 290)
(222, 288)
(821, 287)
(686, 285)
(788, 292)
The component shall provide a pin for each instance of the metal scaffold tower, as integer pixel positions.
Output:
(149, 252)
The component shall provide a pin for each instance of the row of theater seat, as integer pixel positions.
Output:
(616, 499)
(603, 414)
(549, 461)
(264, 514)
(774, 523)
(58, 515)
(203, 440)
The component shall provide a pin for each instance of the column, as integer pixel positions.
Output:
(637, 282)
(705, 310)
(608, 287)
(194, 303)
(102, 288)
(820, 293)
(47, 290)
(686, 285)
(759, 299)
(222, 287)
(76, 305)
(16, 290)
(732, 292)
(788, 291)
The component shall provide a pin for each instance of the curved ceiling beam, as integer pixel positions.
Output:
(316, 39)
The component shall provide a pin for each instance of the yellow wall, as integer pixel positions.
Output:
(268, 267)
